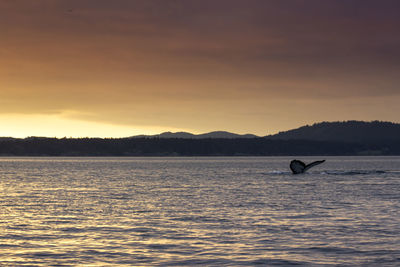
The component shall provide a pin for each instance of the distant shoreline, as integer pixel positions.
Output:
(157, 147)
(287, 156)
(351, 138)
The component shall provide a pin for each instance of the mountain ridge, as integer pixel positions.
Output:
(186, 135)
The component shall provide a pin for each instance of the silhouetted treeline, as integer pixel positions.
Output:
(189, 147)
(348, 131)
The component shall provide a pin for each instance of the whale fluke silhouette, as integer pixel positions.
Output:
(297, 166)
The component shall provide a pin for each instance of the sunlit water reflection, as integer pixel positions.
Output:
(198, 211)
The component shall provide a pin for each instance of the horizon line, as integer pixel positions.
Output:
(194, 134)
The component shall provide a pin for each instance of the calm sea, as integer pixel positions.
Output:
(199, 211)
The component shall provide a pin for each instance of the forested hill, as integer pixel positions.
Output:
(348, 131)
(327, 138)
(189, 147)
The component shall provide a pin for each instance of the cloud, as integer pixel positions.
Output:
(156, 61)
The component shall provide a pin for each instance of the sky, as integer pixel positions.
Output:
(101, 68)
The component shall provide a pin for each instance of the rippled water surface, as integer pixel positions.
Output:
(199, 211)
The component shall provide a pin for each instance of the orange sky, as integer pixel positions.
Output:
(120, 68)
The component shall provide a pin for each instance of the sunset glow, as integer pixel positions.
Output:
(61, 126)
(121, 68)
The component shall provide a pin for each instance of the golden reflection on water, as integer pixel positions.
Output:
(99, 212)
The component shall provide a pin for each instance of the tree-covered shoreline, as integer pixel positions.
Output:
(39, 146)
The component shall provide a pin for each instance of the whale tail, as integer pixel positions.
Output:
(297, 166)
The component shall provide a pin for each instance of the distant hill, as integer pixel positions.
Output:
(326, 138)
(185, 135)
(7, 138)
(348, 131)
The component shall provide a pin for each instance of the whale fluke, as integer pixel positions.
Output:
(297, 166)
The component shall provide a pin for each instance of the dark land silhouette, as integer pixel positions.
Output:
(327, 138)
(348, 131)
(216, 134)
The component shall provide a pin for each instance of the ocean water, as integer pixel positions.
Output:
(238, 211)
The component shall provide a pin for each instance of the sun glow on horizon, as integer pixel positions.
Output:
(25, 125)
(122, 68)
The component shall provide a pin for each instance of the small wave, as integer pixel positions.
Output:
(335, 172)
(28, 237)
(276, 173)
(201, 262)
(277, 262)
(72, 230)
(335, 250)
(161, 246)
(8, 246)
(354, 172)
(47, 254)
